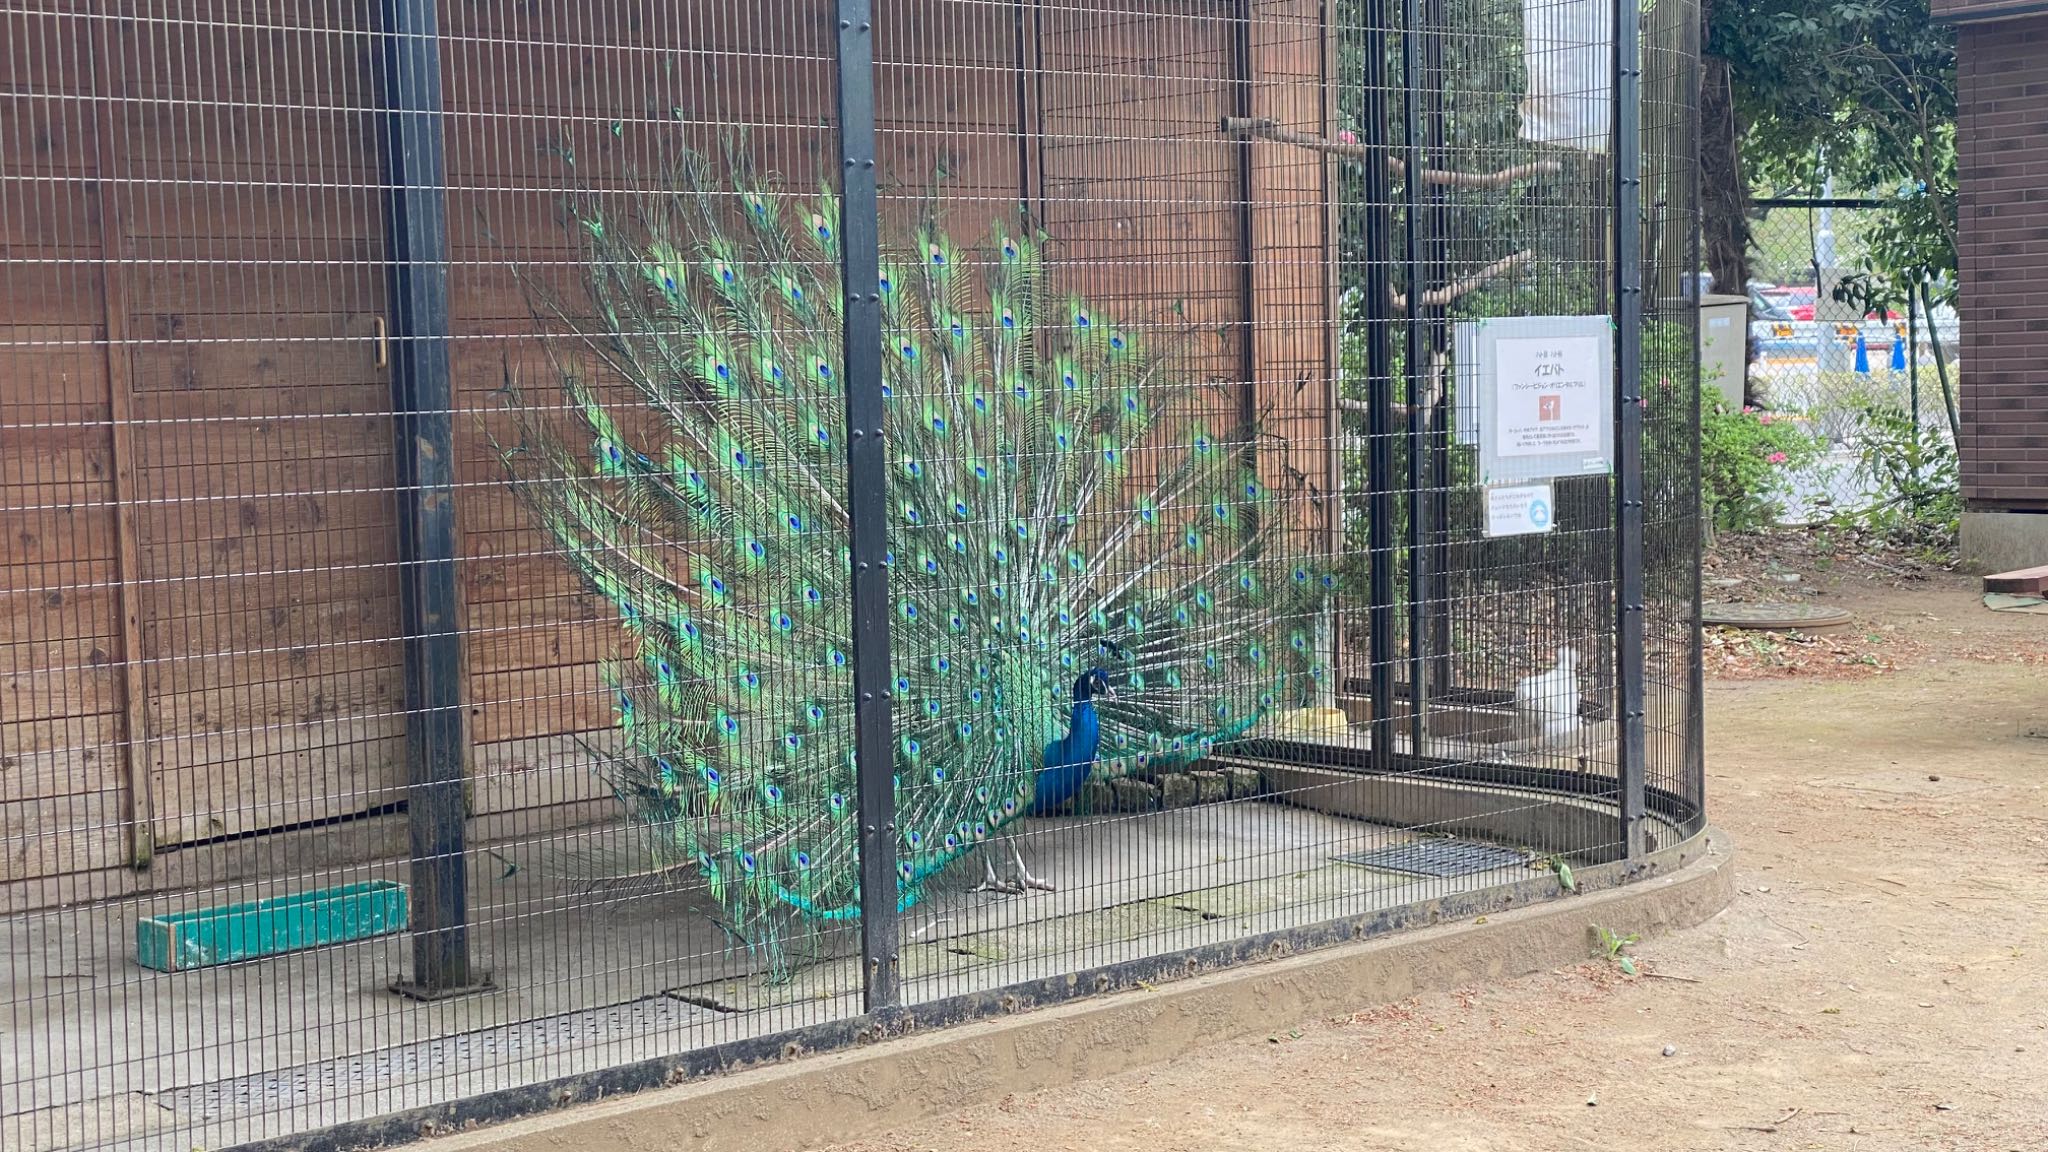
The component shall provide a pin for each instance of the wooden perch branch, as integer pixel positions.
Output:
(1267, 129)
(1444, 294)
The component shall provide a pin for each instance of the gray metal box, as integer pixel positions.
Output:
(1724, 345)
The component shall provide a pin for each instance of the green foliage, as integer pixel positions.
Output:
(1863, 92)
(1865, 87)
(1565, 879)
(1613, 948)
(1915, 467)
(1747, 459)
(1781, 242)
(1910, 241)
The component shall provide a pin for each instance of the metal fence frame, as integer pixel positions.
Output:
(417, 231)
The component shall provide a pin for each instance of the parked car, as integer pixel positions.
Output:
(1765, 306)
(1783, 318)
(1799, 301)
(1802, 301)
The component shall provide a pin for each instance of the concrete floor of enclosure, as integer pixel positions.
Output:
(101, 1053)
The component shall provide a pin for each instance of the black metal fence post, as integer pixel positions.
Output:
(1414, 283)
(1243, 84)
(416, 239)
(1437, 592)
(1628, 415)
(867, 495)
(1442, 396)
(1379, 370)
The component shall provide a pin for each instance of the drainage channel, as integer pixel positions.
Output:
(426, 1060)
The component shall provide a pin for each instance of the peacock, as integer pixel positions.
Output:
(1086, 572)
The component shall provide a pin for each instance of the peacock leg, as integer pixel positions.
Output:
(1024, 876)
(990, 883)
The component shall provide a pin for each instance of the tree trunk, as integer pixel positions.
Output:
(1724, 189)
(1724, 192)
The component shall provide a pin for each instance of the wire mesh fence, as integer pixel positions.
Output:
(554, 547)
(1828, 363)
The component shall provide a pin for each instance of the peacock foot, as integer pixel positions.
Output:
(990, 882)
(1024, 876)
(1020, 882)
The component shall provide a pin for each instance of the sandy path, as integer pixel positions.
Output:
(1881, 982)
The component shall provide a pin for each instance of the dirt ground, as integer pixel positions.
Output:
(1881, 981)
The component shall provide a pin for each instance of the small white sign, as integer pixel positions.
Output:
(1519, 511)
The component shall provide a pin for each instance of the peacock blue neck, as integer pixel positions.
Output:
(1068, 760)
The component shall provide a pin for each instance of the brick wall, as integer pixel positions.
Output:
(1984, 9)
(2003, 133)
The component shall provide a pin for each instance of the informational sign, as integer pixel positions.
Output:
(1544, 387)
(1519, 510)
(1547, 392)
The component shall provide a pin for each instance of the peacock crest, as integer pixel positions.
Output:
(1058, 505)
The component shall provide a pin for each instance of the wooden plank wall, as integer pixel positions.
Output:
(61, 702)
(617, 85)
(1293, 244)
(196, 438)
(1139, 188)
(1148, 200)
(220, 218)
(245, 181)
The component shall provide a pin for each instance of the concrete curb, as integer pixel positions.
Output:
(855, 1094)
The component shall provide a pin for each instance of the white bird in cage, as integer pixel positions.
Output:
(1547, 704)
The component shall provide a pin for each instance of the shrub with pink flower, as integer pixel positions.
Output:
(1748, 461)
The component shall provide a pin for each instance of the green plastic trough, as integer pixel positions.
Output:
(271, 927)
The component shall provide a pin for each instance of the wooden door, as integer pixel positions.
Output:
(249, 281)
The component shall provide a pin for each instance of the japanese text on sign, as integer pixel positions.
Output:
(1548, 396)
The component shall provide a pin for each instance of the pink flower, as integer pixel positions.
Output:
(1764, 418)
(1776, 458)
(1347, 136)
(1746, 410)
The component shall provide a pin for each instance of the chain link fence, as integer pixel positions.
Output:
(1814, 358)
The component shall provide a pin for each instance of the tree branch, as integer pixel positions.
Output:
(1465, 285)
(1268, 129)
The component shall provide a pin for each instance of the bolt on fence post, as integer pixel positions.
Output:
(1628, 417)
(860, 265)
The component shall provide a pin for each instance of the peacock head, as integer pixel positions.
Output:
(1567, 658)
(1093, 683)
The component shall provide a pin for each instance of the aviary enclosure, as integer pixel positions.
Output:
(551, 547)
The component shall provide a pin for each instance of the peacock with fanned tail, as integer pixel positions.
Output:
(1069, 602)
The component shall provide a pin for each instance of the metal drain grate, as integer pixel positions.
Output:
(1442, 858)
(426, 1060)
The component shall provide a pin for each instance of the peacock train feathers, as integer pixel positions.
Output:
(1038, 532)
